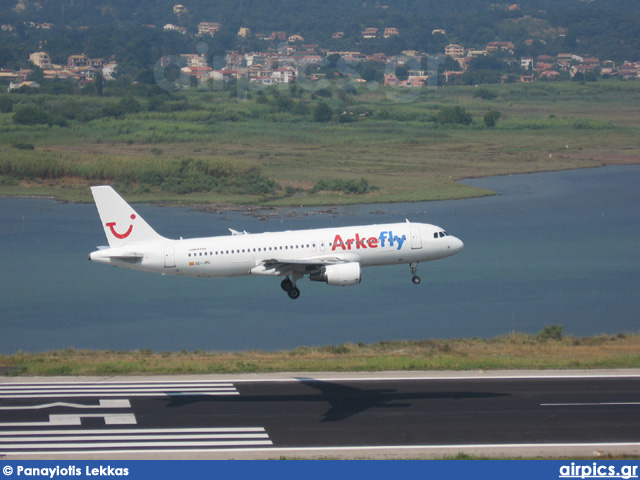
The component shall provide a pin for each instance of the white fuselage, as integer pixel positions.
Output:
(246, 254)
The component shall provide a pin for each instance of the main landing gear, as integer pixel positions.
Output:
(415, 279)
(291, 289)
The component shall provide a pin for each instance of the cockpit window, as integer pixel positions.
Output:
(441, 234)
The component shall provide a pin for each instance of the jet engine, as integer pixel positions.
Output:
(341, 274)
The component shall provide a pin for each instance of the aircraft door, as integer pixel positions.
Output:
(416, 239)
(169, 257)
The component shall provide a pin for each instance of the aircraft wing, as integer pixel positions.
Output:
(277, 266)
(315, 261)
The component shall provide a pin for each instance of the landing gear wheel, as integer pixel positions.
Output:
(287, 285)
(416, 278)
(294, 293)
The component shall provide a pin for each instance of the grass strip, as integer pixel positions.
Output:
(511, 351)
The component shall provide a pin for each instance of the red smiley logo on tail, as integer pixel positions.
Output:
(124, 235)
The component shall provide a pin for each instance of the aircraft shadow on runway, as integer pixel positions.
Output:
(345, 401)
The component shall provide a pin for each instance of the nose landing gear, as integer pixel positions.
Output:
(415, 279)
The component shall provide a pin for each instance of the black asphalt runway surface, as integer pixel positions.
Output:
(209, 417)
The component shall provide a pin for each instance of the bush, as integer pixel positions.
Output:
(8, 181)
(24, 146)
(31, 115)
(453, 115)
(485, 94)
(491, 118)
(550, 332)
(357, 187)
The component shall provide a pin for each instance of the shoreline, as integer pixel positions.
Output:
(330, 208)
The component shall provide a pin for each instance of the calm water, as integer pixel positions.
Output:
(551, 248)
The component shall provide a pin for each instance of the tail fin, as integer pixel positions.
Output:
(122, 224)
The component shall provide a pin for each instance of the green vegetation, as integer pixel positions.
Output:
(346, 186)
(207, 146)
(547, 350)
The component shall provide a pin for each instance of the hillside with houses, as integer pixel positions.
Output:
(402, 43)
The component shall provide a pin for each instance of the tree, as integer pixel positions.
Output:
(6, 104)
(491, 118)
(99, 84)
(322, 112)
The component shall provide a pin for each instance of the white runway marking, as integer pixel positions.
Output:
(119, 440)
(51, 437)
(123, 403)
(120, 389)
(586, 404)
(61, 420)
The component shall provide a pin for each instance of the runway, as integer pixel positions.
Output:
(382, 415)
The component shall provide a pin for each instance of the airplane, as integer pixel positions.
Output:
(331, 255)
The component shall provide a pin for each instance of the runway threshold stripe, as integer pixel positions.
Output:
(86, 446)
(327, 450)
(94, 386)
(118, 389)
(193, 383)
(123, 393)
(215, 436)
(135, 430)
(102, 395)
(146, 440)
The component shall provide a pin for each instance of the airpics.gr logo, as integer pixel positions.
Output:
(124, 235)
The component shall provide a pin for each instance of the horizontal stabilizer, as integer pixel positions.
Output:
(126, 256)
(104, 255)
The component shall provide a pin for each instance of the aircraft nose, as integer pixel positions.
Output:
(457, 245)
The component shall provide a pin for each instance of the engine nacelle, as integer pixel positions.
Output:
(341, 274)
